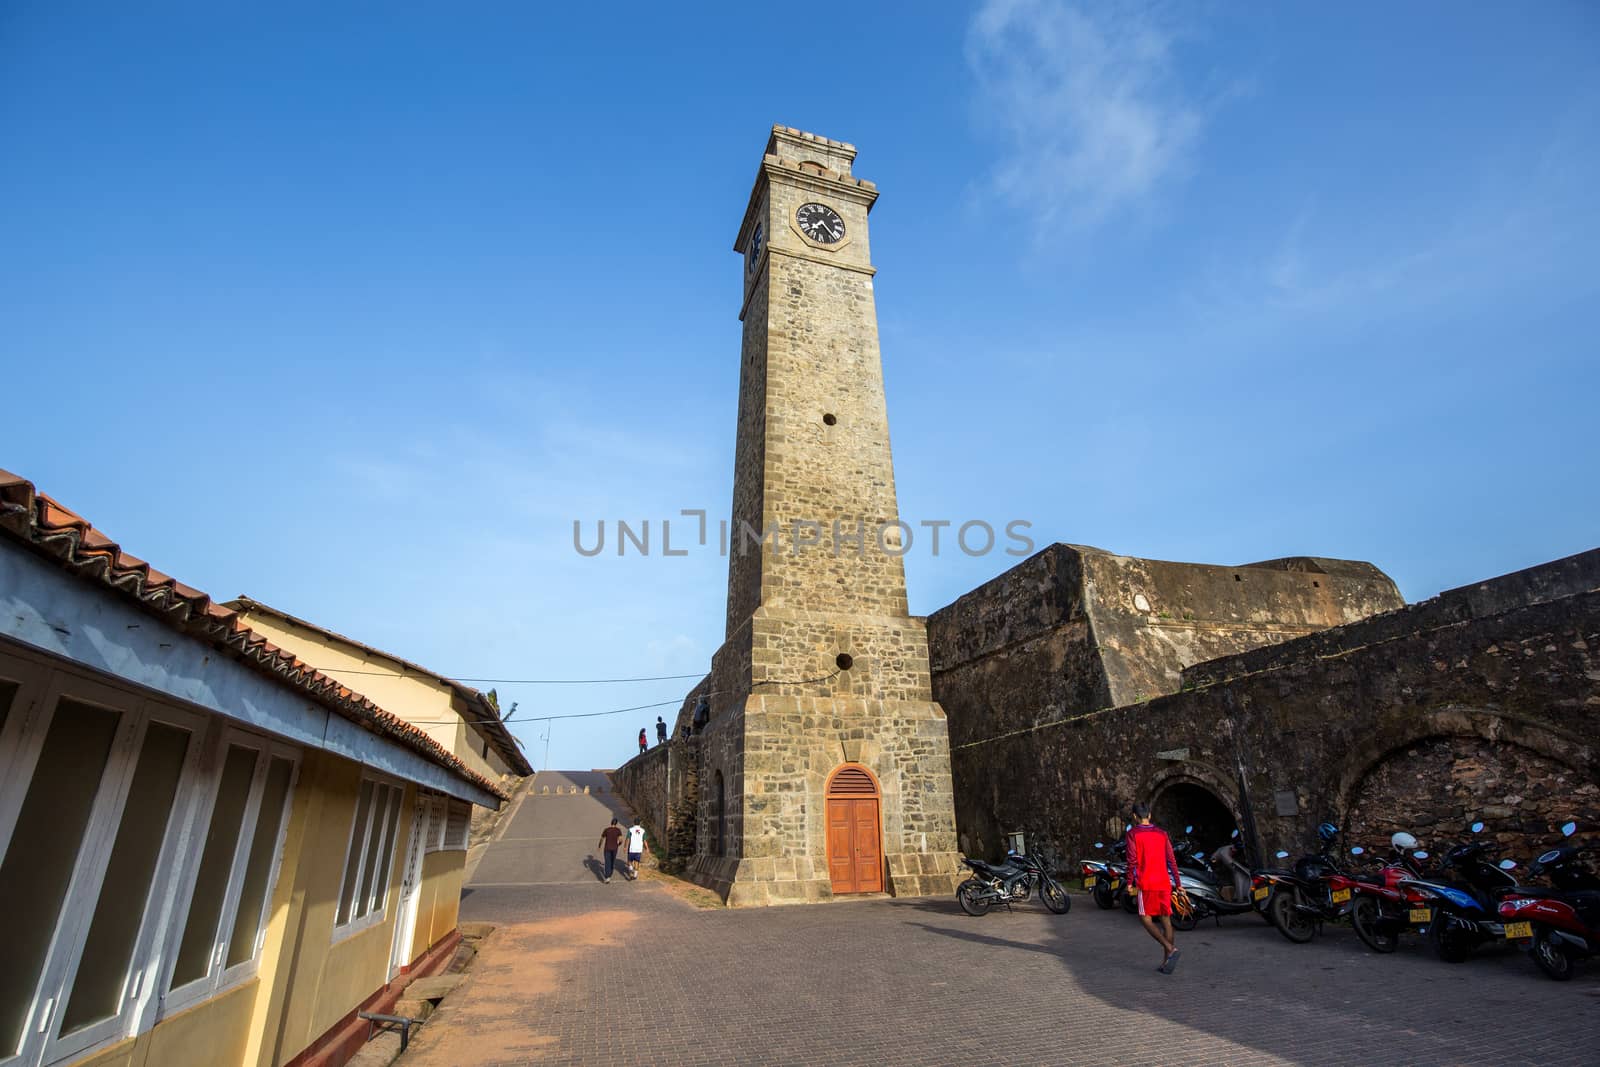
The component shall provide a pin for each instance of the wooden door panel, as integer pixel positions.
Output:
(841, 855)
(868, 864)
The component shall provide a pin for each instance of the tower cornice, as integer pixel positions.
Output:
(820, 180)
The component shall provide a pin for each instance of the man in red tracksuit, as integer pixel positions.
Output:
(1153, 871)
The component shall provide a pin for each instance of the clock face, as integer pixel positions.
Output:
(820, 223)
(755, 250)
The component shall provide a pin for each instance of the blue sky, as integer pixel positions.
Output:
(354, 308)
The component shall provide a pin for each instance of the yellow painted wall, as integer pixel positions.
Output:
(420, 700)
(122, 1054)
(327, 979)
(438, 899)
(306, 981)
(211, 1033)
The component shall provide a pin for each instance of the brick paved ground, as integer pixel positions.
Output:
(584, 973)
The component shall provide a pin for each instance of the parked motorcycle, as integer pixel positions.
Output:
(1300, 900)
(1011, 882)
(1465, 909)
(1189, 856)
(1560, 924)
(1097, 878)
(1380, 909)
(1226, 890)
(1110, 885)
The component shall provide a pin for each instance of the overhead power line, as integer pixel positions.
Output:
(525, 681)
(542, 718)
(534, 717)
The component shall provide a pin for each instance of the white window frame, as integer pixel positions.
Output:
(139, 988)
(378, 899)
(44, 1007)
(43, 682)
(217, 977)
(438, 816)
(457, 842)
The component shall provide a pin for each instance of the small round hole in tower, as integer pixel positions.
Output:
(844, 661)
(830, 419)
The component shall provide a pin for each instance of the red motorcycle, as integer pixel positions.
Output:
(1561, 924)
(1382, 909)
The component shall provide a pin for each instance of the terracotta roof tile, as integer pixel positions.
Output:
(59, 533)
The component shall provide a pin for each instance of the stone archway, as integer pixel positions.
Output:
(1195, 794)
(1185, 804)
(1436, 772)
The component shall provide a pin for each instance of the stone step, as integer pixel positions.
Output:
(436, 988)
(408, 1007)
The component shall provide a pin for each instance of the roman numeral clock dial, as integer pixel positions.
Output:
(820, 223)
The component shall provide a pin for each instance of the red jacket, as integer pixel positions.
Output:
(1150, 858)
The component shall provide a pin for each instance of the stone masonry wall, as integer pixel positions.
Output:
(749, 460)
(642, 784)
(1315, 733)
(1445, 783)
(661, 788)
(1076, 629)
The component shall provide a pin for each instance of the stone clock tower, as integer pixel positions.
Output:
(823, 763)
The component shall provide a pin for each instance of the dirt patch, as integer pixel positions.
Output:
(488, 1019)
(681, 889)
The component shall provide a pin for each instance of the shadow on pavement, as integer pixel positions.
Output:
(984, 939)
(595, 867)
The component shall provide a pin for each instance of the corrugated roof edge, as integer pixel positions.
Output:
(504, 742)
(60, 534)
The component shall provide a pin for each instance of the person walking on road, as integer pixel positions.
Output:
(636, 849)
(661, 730)
(1153, 871)
(610, 839)
(643, 743)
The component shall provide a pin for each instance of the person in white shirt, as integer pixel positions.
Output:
(636, 845)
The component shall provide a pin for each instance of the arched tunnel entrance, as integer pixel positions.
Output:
(1189, 804)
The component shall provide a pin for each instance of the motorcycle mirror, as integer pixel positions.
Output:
(1357, 851)
(1476, 827)
(1506, 865)
(1188, 829)
(1282, 854)
(1234, 834)
(1568, 829)
(1099, 844)
(1420, 854)
(1128, 827)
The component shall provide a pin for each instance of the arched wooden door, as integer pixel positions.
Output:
(855, 860)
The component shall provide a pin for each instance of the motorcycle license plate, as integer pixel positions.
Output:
(1263, 892)
(1421, 915)
(1088, 883)
(1515, 930)
(1340, 896)
(1116, 884)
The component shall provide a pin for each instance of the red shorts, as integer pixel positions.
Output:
(1155, 901)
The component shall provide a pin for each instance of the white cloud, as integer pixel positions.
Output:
(1088, 102)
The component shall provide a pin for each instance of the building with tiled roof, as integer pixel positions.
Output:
(210, 850)
(460, 718)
